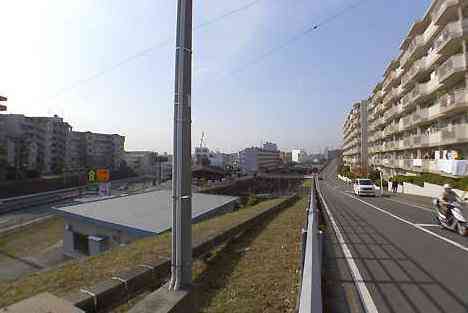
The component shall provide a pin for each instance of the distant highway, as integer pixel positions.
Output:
(397, 258)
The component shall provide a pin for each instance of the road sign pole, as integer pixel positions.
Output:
(181, 267)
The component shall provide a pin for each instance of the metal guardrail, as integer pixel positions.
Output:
(310, 300)
(21, 202)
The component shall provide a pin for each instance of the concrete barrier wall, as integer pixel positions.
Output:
(119, 289)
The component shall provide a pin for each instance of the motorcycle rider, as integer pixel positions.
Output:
(447, 197)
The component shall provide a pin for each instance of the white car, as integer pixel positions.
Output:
(364, 187)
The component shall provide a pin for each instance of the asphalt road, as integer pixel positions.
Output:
(397, 260)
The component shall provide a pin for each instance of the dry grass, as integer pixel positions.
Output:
(34, 239)
(89, 271)
(257, 272)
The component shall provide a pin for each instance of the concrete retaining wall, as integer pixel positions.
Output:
(117, 290)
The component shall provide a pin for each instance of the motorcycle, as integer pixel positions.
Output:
(453, 219)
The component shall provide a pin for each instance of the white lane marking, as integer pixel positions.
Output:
(364, 293)
(428, 225)
(453, 243)
(409, 204)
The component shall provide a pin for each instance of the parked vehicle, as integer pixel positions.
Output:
(452, 218)
(364, 187)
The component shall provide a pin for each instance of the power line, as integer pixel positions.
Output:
(297, 36)
(146, 51)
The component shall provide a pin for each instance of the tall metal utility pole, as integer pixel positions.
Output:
(181, 262)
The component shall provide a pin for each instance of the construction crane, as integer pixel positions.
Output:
(202, 140)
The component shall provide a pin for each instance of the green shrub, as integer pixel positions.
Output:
(252, 200)
(457, 183)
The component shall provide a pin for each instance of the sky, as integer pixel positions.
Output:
(296, 97)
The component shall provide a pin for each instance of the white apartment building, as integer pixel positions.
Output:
(298, 155)
(355, 137)
(255, 159)
(418, 114)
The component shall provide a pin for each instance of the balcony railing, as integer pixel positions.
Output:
(455, 134)
(451, 31)
(456, 63)
(441, 8)
(417, 67)
(416, 43)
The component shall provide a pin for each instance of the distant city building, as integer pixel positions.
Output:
(34, 143)
(204, 156)
(255, 159)
(286, 157)
(355, 143)
(142, 162)
(333, 154)
(95, 150)
(298, 155)
(232, 161)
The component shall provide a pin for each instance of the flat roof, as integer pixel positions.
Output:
(149, 212)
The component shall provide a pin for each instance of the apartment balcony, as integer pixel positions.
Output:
(452, 70)
(389, 146)
(448, 40)
(400, 145)
(420, 116)
(456, 101)
(415, 47)
(388, 80)
(389, 113)
(431, 140)
(420, 92)
(418, 67)
(389, 130)
(455, 134)
(391, 94)
(443, 11)
(407, 121)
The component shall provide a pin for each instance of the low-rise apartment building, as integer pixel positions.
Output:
(95, 150)
(255, 159)
(34, 143)
(355, 137)
(418, 114)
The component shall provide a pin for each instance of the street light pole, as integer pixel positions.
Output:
(181, 262)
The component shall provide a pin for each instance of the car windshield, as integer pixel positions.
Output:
(365, 182)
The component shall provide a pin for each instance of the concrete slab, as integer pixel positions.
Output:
(42, 303)
(165, 301)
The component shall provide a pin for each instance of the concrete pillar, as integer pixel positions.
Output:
(68, 243)
(96, 245)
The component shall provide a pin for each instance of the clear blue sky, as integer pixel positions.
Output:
(297, 97)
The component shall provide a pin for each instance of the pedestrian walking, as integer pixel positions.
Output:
(394, 186)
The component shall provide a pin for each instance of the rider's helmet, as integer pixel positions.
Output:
(447, 187)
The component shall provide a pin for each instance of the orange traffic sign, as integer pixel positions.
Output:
(102, 175)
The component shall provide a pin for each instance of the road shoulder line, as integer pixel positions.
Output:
(364, 294)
